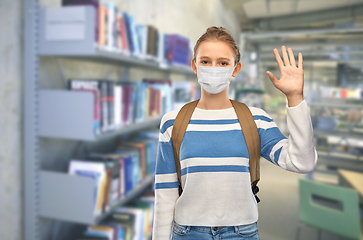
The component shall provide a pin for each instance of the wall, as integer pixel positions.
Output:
(10, 118)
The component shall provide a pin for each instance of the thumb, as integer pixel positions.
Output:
(272, 77)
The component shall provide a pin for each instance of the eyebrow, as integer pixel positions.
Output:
(222, 58)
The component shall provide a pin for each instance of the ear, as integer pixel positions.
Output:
(192, 63)
(237, 69)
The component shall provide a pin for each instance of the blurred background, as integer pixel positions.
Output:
(86, 82)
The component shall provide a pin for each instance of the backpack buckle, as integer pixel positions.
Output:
(255, 189)
(180, 190)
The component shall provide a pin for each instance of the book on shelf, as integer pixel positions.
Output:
(117, 32)
(138, 217)
(148, 211)
(92, 86)
(134, 221)
(123, 35)
(112, 30)
(340, 92)
(102, 105)
(117, 173)
(142, 39)
(143, 157)
(142, 153)
(148, 145)
(124, 173)
(151, 41)
(106, 231)
(118, 100)
(128, 101)
(109, 231)
(177, 49)
(130, 166)
(163, 100)
(117, 104)
(127, 221)
(113, 169)
(162, 52)
(97, 172)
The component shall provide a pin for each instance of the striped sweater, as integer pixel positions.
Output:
(214, 165)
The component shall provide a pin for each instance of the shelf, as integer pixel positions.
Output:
(335, 105)
(69, 115)
(130, 196)
(340, 155)
(70, 198)
(108, 57)
(340, 133)
(343, 161)
(85, 48)
(255, 90)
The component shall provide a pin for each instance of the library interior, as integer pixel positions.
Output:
(164, 119)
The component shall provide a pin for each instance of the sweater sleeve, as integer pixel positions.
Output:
(166, 182)
(296, 153)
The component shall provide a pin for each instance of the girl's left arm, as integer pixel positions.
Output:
(296, 153)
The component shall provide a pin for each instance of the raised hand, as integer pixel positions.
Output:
(291, 82)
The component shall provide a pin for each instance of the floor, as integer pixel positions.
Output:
(278, 209)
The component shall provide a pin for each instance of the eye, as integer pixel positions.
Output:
(224, 63)
(204, 62)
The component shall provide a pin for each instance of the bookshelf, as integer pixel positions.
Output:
(69, 115)
(60, 197)
(330, 156)
(85, 49)
(55, 195)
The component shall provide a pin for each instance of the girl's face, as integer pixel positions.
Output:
(215, 54)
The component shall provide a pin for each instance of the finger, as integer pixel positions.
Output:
(292, 58)
(284, 55)
(278, 58)
(300, 61)
(272, 77)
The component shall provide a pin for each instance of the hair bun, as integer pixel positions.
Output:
(214, 28)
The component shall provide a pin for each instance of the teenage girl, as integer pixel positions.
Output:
(217, 201)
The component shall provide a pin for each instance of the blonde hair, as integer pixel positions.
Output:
(221, 34)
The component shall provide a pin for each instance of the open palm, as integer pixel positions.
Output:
(292, 77)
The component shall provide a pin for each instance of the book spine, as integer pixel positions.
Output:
(110, 103)
(128, 30)
(92, 86)
(124, 104)
(105, 19)
(104, 114)
(123, 33)
(118, 33)
(121, 105)
(121, 179)
(110, 10)
(101, 26)
(115, 28)
(105, 204)
(129, 172)
(134, 35)
(117, 106)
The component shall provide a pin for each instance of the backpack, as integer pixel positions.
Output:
(249, 130)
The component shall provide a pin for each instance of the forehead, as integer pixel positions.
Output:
(215, 48)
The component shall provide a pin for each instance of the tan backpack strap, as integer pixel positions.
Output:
(252, 138)
(179, 127)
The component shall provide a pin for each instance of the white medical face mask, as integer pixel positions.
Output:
(214, 79)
